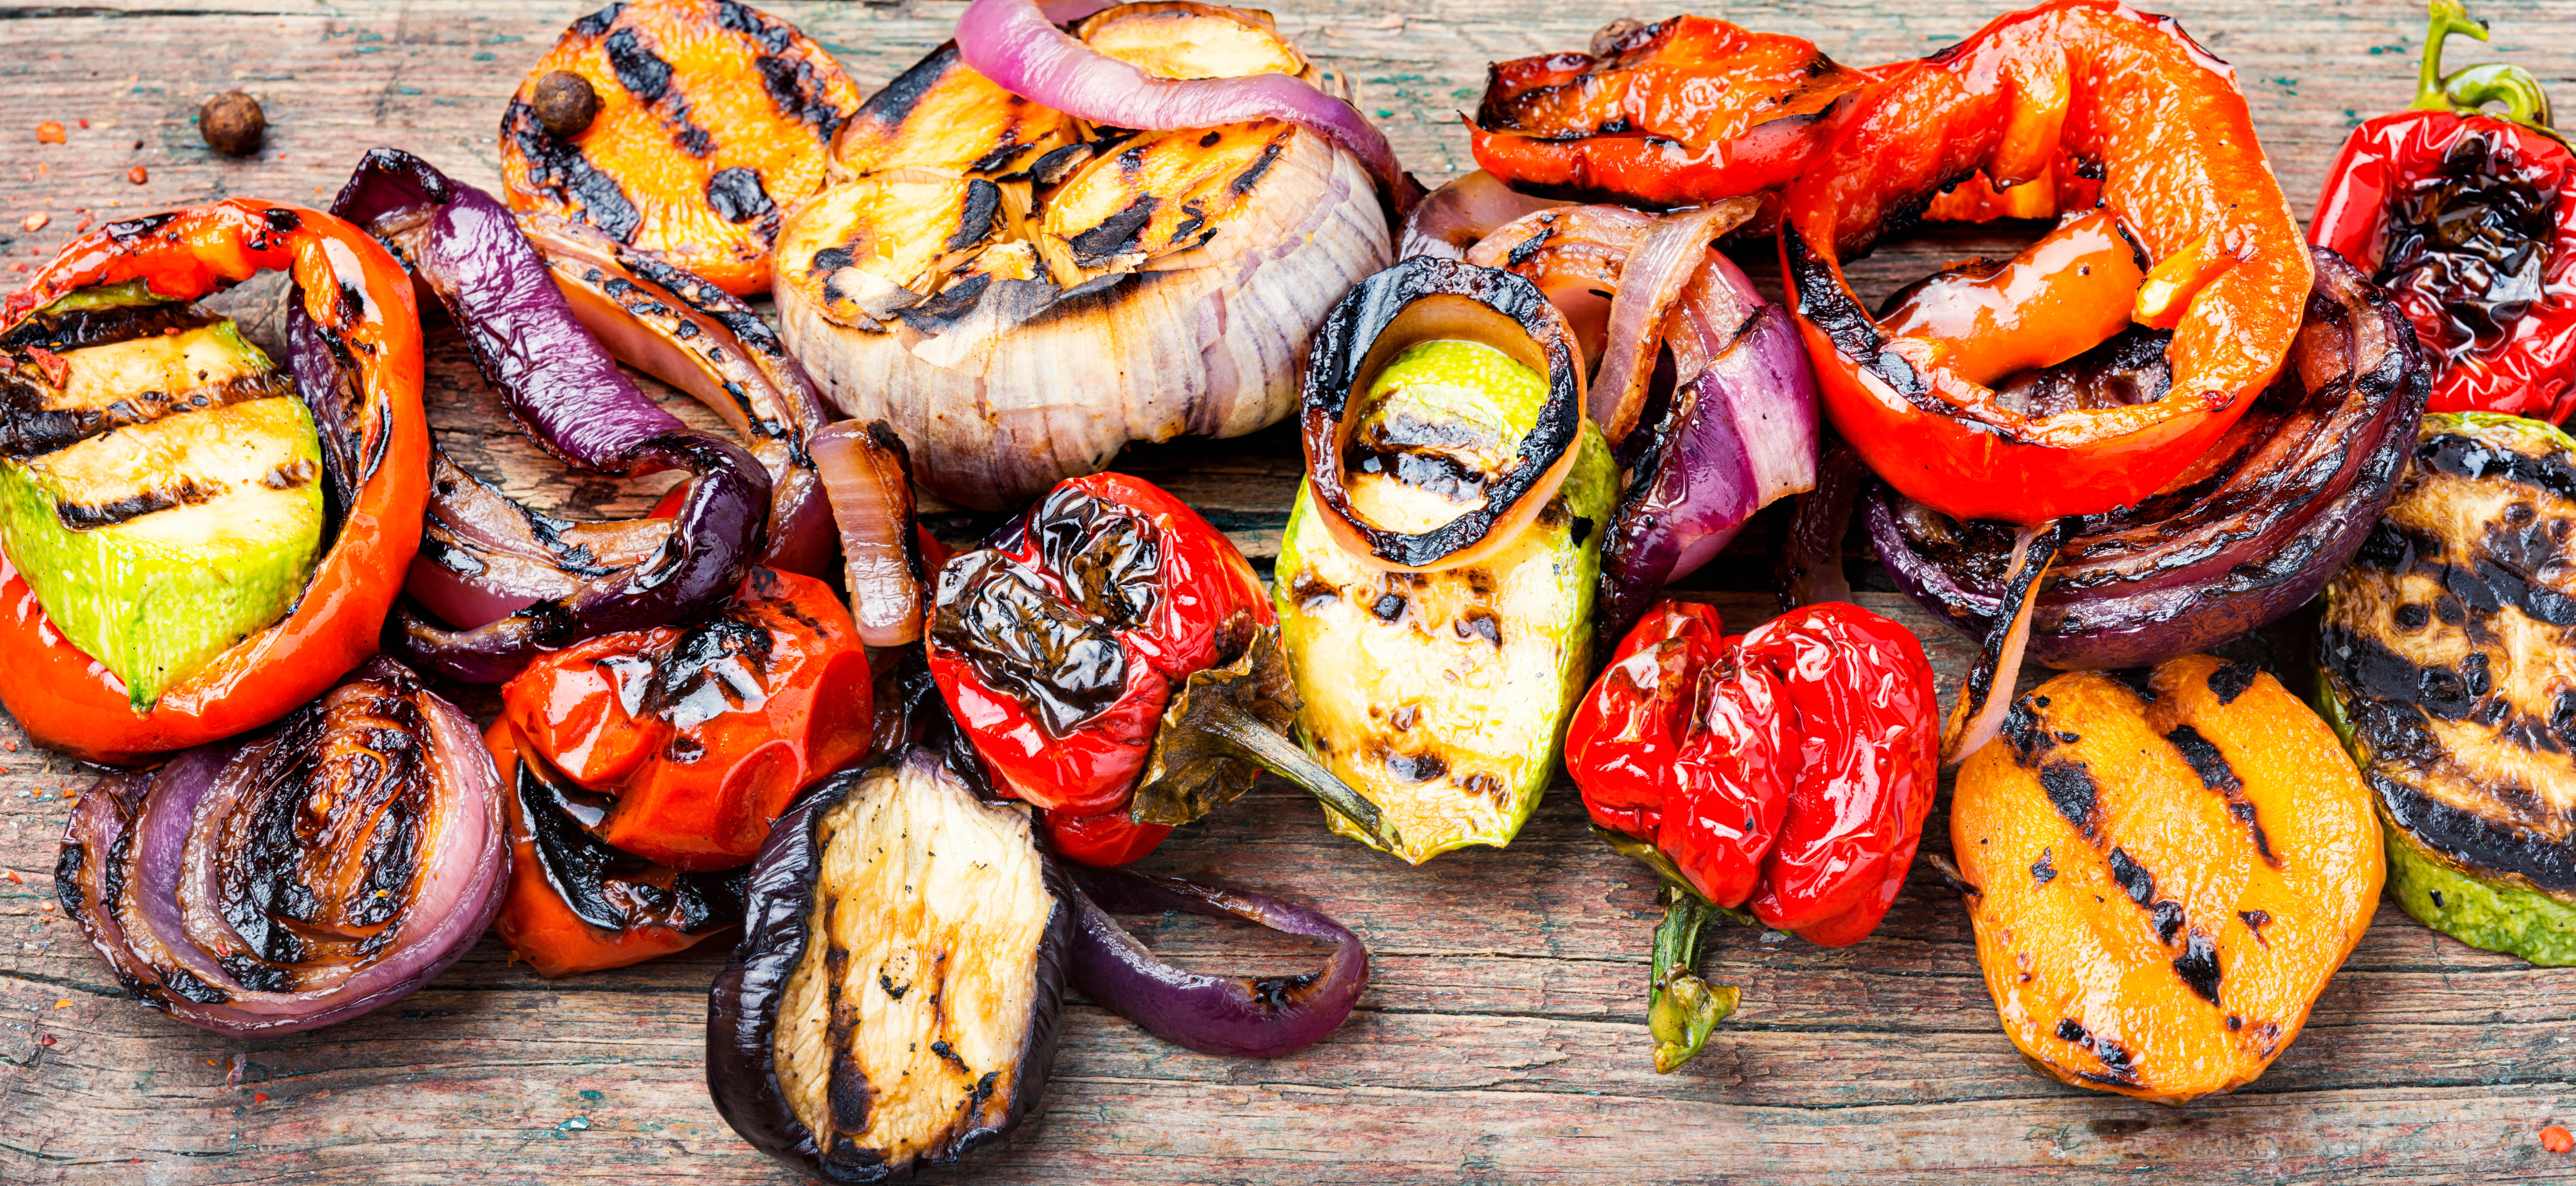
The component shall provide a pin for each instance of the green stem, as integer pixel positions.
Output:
(1264, 746)
(1682, 1008)
(2448, 17)
(2470, 90)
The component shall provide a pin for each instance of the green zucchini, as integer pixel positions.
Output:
(2447, 664)
(1442, 697)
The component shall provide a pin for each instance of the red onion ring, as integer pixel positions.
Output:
(1650, 283)
(484, 557)
(169, 873)
(1453, 217)
(868, 474)
(1986, 695)
(557, 382)
(1229, 1016)
(1019, 47)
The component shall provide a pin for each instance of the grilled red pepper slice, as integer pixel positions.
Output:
(1680, 112)
(2468, 218)
(698, 737)
(358, 301)
(1109, 638)
(2181, 171)
(1788, 770)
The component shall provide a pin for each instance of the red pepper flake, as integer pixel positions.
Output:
(82, 225)
(14, 879)
(19, 267)
(2555, 1139)
(49, 132)
(138, 175)
(84, 125)
(58, 370)
(259, 1097)
(36, 221)
(44, 1039)
(47, 905)
(10, 745)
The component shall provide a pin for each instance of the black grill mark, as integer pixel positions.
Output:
(2136, 679)
(948, 1054)
(641, 71)
(797, 89)
(737, 195)
(888, 108)
(2072, 791)
(983, 205)
(564, 174)
(1416, 767)
(1244, 182)
(2230, 680)
(2043, 870)
(2211, 765)
(2198, 965)
(2255, 921)
(29, 430)
(1388, 607)
(2132, 877)
(2482, 845)
(1116, 235)
(2026, 734)
(2119, 1065)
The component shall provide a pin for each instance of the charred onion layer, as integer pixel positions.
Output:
(1229, 1016)
(306, 876)
(2251, 531)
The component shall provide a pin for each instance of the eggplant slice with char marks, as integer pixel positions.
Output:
(893, 1003)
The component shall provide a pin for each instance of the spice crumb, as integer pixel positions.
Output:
(138, 175)
(44, 1039)
(259, 1097)
(49, 132)
(2556, 1139)
(36, 221)
(64, 1003)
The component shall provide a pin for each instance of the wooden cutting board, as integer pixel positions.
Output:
(1503, 1036)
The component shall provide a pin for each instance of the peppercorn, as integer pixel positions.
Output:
(565, 104)
(233, 124)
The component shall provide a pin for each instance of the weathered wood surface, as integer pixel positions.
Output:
(1502, 1039)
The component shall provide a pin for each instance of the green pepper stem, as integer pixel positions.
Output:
(2470, 90)
(1682, 1008)
(1260, 744)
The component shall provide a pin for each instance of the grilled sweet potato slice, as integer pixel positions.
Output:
(712, 118)
(2167, 865)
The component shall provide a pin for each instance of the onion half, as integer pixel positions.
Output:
(2249, 532)
(315, 872)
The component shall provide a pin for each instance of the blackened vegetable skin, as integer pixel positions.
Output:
(750, 995)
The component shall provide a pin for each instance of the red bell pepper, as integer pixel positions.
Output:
(700, 736)
(2181, 171)
(1786, 771)
(1113, 638)
(2468, 218)
(358, 298)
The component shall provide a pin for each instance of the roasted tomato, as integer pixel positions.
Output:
(699, 737)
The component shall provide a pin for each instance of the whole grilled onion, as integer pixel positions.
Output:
(2248, 533)
(1020, 309)
(311, 873)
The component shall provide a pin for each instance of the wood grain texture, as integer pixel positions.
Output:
(1502, 1039)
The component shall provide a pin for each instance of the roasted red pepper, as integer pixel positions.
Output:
(2468, 218)
(1101, 643)
(698, 737)
(577, 904)
(1677, 113)
(1787, 770)
(361, 304)
(2123, 94)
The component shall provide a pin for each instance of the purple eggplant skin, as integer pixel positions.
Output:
(744, 1003)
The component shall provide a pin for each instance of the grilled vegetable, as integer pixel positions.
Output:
(162, 490)
(2164, 868)
(2446, 667)
(1019, 294)
(893, 1002)
(1440, 695)
(304, 876)
(709, 118)
(163, 529)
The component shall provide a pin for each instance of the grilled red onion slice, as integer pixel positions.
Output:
(1453, 217)
(320, 870)
(1679, 247)
(1020, 48)
(1231, 1016)
(2250, 532)
(1987, 693)
(685, 331)
(869, 476)
(568, 393)
(1810, 568)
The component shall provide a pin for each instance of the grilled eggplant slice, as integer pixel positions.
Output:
(713, 118)
(2448, 665)
(1441, 696)
(893, 1003)
(159, 482)
(1019, 294)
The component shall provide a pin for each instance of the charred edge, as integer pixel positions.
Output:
(1116, 235)
(2140, 680)
(2476, 843)
(181, 491)
(2044, 870)
(737, 196)
(2119, 1065)
(564, 174)
(1829, 306)
(2206, 761)
(2026, 734)
(2072, 791)
(888, 108)
(1243, 182)
(2465, 456)
(2392, 699)
(2229, 680)
(77, 329)
(29, 430)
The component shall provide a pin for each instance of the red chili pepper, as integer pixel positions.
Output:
(68, 700)
(1058, 649)
(1789, 769)
(700, 736)
(2469, 220)
(2161, 121)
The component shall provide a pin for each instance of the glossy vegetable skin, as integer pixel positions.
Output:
(2445, 665)
(376, 457)
(1676, 113)
(1787, 770)
(2469, 218)
(2226, 268)
(893, 1003)
(2164, 868)
(712, 119)
(700, 735)
(1059, 649)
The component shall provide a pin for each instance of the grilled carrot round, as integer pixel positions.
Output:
(711, 118)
